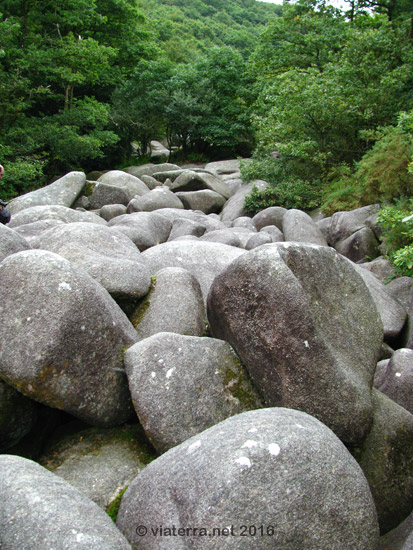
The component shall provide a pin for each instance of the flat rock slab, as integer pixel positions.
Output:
(63, 337)
(63, 191)
(272, 478)
(197, 382)
(289, 311)
(41, 511)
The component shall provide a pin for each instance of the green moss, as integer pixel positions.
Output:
(238, 383)
(143, 306)
(112, 509)
(89, 188)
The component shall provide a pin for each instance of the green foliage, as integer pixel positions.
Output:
(113, 508)
(397, 224)
(383, 171)
(325, 84)
(290, 194)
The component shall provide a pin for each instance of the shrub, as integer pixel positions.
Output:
(397, 224)
(290, 194)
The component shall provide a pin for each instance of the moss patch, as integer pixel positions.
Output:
(112, 509)
(143, 306)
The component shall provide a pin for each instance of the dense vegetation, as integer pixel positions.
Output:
(322, 99)
(81, 78)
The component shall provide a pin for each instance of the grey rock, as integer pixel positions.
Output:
(381, 268)
(63, 337)
(244, 222)
(150, 169)
(386, 460)
(11, 242)
(198, 181)
(116, 187)
(108, 255)
(386, 351)
(206, 200)
(82, 202)
(197, 382)
(160, 197)
(275, 233)
(234, 207)
(110, 211)
(401, 289)
(276, 468)
(324, 226)
(31, 231)
(99, 462)
(184, 226)
(392, 313)
(223, 236)
(145, 229)
(18, 415)
(150, 181)
(223, 167)
(258, 239)
(270, 216)
(62, 192)
(209, 221)
(380, 374)
(409, 336)
(171, 175)
(61, 213)
(360, 246)
(158, 151)
(299, 227)
(290, 308)
(204, 260)
(397, 381)
(400, 538)
(40, 511)
(344, 224)
(174, 304)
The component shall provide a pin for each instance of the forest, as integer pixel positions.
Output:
(318, 101)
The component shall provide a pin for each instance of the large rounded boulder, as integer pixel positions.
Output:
(63, 338)
(40, 511)
(290, 311)
(264, 479)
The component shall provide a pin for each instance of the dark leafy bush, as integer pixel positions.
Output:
(397, 224)
(290, 194)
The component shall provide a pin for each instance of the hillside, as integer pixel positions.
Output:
(185, 27)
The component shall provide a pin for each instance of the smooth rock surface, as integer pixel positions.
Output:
(181, 385)
(109, 256)
(276, 468)
(300, 227)
(386, 460)
(63, 338)
(145, 229)
(63, 191)
(205, 260)
(11, 242)
(397, 381)
(175, 304)
(289, 311)
(40, 511)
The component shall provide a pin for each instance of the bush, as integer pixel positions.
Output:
(290, 194)
(397, 224)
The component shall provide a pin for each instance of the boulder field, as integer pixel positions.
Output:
(204, 378)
